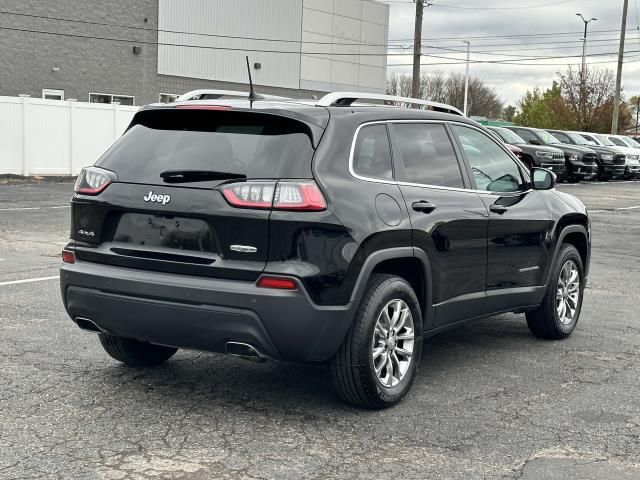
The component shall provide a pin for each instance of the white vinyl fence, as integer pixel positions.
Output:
(53, 137)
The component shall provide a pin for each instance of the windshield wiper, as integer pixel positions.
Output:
(184, 176)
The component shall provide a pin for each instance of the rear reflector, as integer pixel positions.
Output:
(300, 196)
(68, 257)
(279, 283)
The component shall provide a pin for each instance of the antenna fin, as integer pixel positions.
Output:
(252, 93)
(253, 96)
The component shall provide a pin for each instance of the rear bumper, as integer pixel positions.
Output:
(203, 313)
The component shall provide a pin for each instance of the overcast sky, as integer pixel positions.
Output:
(555, 23)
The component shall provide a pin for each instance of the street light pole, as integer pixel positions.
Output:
(583, 73)
(584, 40)
(466, 80)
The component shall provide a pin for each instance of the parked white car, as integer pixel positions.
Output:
(633, 167)
(632, 154)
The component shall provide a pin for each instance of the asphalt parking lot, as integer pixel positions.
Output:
(490, 401)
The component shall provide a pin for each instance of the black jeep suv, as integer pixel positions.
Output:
(314, 232)
(611, 164)
(542, 156)
(580, 161)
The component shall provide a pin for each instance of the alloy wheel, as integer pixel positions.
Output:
(393, 343)
(568, 292)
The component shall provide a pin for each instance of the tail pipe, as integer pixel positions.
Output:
(88, 325)
(244, 350)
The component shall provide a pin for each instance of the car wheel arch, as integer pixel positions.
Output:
(577, 235)
(399, 261)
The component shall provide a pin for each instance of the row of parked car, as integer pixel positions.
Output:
(574, 156)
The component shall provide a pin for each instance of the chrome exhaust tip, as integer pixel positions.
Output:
(87, 325)
(244, 350)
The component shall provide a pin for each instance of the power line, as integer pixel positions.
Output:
(461, 7)
(187, 45)
(526, 35)
(491, 45)
(293, 52)
(525, 7)
(346, 42)
(436, 64)
(153, 30)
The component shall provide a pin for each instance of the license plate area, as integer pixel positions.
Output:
(160, 231)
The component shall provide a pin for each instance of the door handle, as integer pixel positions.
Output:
(500, 209)
(423, 206)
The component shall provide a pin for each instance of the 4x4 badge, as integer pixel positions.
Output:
(154, 197)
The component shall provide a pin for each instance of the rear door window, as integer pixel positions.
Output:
(253, 144)
(427, 155)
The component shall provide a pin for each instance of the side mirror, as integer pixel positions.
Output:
(533, 141)
(543, 179)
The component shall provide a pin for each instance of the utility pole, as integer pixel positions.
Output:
(637, 112)
(466, 79)
(417, 50)
(616, 98)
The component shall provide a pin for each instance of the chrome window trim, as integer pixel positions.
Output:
(410, 184)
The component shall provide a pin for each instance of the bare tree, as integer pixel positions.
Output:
(433, 87)
(439, 87)
(587, 96)
(483, 100)
(393, 81)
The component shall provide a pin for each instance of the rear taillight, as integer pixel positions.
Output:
(68, 257)
(93, 180)
(279, 283)
(300, 196)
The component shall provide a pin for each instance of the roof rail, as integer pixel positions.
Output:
(345, 99)
(206, 94)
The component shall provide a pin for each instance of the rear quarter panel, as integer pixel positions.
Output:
(352, 201)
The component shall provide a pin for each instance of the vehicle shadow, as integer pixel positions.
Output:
(211, 380)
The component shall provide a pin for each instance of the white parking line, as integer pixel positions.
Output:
(28, 280)
(600, 184)
(31, 208)
(628, 208)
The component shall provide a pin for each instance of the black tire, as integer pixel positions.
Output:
(352, 367)
(134, 353)
(545, 322)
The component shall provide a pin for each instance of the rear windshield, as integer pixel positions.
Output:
(252, 144)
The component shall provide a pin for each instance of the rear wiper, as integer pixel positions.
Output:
(180, 176)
